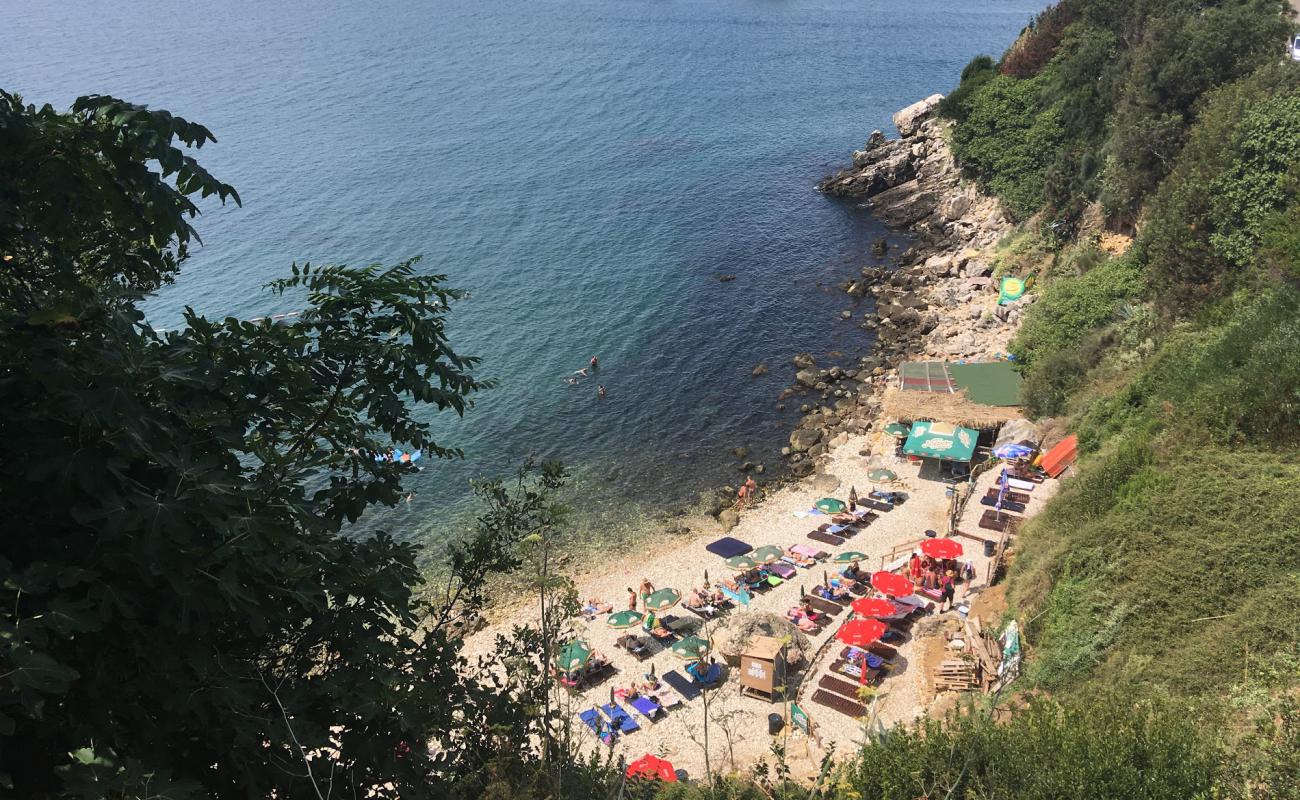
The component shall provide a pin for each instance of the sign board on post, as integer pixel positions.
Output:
(799, 717)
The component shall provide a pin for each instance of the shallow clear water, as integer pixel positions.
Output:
(585, 168)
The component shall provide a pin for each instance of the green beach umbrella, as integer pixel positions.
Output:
(573, 655)
(741, 562)
(767, 554)
(882, 475)
(663, 600)
(897, 429)
(849, 557)
(941, 440)
(692, 648)
(625, 619)
(830, 505)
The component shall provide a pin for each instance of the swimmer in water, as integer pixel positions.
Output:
(600, 390)
(582, 372)
(572, 381)
(594, 363)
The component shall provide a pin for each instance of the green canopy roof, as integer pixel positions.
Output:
(989, 383)
(941, 440)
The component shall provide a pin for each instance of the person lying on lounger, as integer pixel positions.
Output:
(594, 606)
(853, 572)
(800, 620)
(834, 590)
(797, 558)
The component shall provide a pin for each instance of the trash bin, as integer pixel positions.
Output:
(989, 548)
(774, 724)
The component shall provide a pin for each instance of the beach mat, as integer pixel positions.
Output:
(726, 547)
(839, 686)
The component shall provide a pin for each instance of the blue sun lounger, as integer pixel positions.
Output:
(741, 597)
(618, 718)
(689, 690)
(597, 725)
(646, 707)
(726, 547)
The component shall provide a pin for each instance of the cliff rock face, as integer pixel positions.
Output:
(913, 182)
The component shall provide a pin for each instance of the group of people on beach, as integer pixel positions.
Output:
(939, 574)
(586, 372)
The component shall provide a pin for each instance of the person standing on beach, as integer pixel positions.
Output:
(853, 498)
(946, 591)
(631, 599)
(647, 589)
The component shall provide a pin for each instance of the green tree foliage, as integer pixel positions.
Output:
(186, 612)
(1007, 143)
(1071, 308)
(1240, 168)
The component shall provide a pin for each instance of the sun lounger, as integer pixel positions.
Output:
(741, 597)
(688, 689)
(782, 570)
(837, 703)
(1015, 497)
(773, 581)
(633, 645)
(679, 625)
(853, 669)
(599, 674)
(826, 538)
(711, 675)
(874, 661)
(808, 551)
(1021, 485)
(1007, 505)
(667, 697)
(593, 720)
(620, 719)
(646, 707)
(992, 521)
(726, 547)
(824, 606)
(876, 505)
(839, 686)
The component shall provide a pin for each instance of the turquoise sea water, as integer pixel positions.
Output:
(586, 169)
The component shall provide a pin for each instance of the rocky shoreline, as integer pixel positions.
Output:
(931, 301)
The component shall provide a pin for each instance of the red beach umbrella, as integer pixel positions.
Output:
(861, 632)
(873, 607)
(941, 548)
(892, 584)
(653, 768)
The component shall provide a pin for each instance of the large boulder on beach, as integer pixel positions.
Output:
(807, 377)
(738, 629)
(907, 120)
(729, 518)
(804, 438)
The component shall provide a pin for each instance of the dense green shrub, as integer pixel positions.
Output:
(978, 72)
(1071, 308)
(1105, 747)
(1239, 169)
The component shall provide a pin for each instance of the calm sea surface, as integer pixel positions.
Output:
(586, 169)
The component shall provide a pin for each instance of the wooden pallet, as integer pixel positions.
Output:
(956, 676)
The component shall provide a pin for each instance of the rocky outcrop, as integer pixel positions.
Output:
(934, 300)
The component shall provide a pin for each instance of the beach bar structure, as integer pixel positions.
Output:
(941, 440)
(762, 668)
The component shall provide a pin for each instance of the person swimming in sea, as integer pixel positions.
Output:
(600, 390)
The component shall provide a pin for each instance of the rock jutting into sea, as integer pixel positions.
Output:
(929, 301)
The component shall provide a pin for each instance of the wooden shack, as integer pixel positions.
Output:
(762, 668)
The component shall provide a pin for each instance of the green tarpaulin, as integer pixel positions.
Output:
(989, 383)
(941, 440)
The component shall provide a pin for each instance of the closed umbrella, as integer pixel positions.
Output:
(941, 548)
(873, 607)
(849, 556)
(830, 505)
(624, 619)
(741, 562)
(652, 768)
(573, 655)
(662, 600)
(692, 648)
(767, 554)
(882, 474)
(892, 584)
